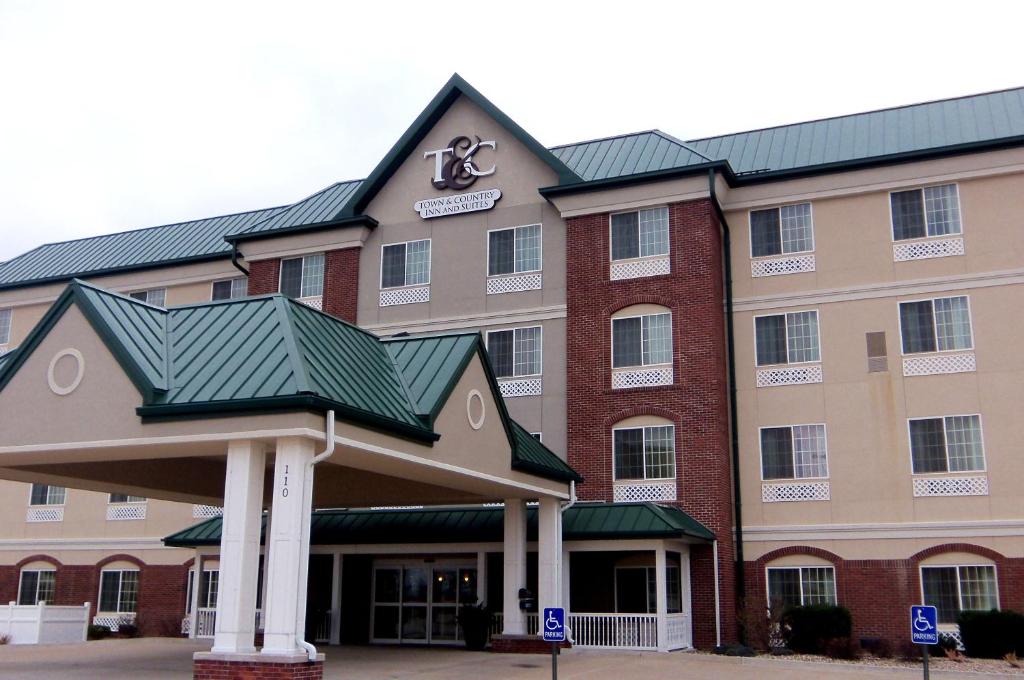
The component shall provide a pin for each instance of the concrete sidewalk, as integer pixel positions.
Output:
(171, 659)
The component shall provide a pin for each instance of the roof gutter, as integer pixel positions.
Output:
(234, 259)
(300, 623)
(737, 509)
(641, 178)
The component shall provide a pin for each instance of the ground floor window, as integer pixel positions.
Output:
(207, 590)
(636, 590)
(119, 590)
(419, 603)
(954, 589)
(37, 585)
(796, 586)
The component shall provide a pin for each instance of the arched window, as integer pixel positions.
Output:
(956, 582)
(38, 583)
(641, 346)
(644, 448)
(800, 580)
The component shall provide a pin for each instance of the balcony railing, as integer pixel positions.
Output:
(617, 631)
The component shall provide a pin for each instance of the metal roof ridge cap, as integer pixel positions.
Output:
(680, 142)
(283, 312)
(112, 293)
(605, 139)
(403, 384)
(289, 206)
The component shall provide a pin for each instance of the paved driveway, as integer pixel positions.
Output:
(166, 659)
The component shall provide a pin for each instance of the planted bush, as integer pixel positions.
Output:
(98, 632)
(809, 629)
(992, 634)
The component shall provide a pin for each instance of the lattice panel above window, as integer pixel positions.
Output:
(45, 514)
(642, 377)
(937, 364)
(123, 511)
(206, 511)
(640, 492)
(925, 250)
(635, 269)
(794, 375)
(950, 486)
(497, 285)
(314, 301)
(404, 296)
(528, 387)
(780, 492)
(774, 266)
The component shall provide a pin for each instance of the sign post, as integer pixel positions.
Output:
(924, 629)
(553, 631)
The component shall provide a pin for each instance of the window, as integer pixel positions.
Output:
(515, 352)
(780, 231)
(154, 296)
(405, 264)
(636, 590)
(950, 444)
(952, 590)
(538, 436)
(125, 498)
(514, 251)
(798, 586)
(640, 234)
(207, 590)
(645, 452)
(794, 452)
(119, 590)
(5, 326)
(642, 340)
(303, 277)
(37, 585)
(229, 289)
(938, 325)
(787, 338)
(920, 213)
(45, 494)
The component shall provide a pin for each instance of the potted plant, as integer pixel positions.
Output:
(476, 620)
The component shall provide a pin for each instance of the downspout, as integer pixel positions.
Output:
(565, 506)
(737, 509)
(304, 546)
(234, 259)
(718, 608)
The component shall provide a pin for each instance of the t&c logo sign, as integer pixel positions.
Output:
(455, 166)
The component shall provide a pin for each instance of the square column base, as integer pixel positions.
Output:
(523, 644)
(213, 666)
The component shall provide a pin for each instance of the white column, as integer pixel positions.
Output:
(661, 591)
(566, 581)
(481, 577)
(239, 549)
(549, 554)
(336, 599)
(514, 566)
(287, 560)
(266, 561)
(197, 567)
(684, 586)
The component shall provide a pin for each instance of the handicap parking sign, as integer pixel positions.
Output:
(554, 624)
(924, 628)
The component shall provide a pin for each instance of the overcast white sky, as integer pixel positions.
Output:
(118, 115)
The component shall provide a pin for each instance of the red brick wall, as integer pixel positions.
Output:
(341, 283)
(203, 669)
(879, 593)
(264, 276)
(698, 401)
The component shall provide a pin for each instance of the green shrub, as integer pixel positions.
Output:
(809, 629)
(992, 634)
(97, 632)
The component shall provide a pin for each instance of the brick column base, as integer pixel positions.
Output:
(211, 666)
(522, 644)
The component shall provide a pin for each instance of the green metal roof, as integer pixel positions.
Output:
(320, 208)
(632, 154)
(473, 524)
(271, 352)
(128, 250)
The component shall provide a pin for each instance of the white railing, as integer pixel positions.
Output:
(950, 486)
(680, 633)
(615, 631)
(938, 364)
(641, 377)
(925, 250)
(113, 621)
(45, 513)
(206, 511)
(496, 285)
(797, 375)
(43, 624)
(635, 269)
(775, 266)
(404, 296)
(498, 624)
(126, 511)
(780, 492)
(527, 387)
(322, 634)
(641, 492)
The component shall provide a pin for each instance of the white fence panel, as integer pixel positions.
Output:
(42, 623)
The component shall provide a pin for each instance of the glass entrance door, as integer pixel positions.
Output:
(418, 603)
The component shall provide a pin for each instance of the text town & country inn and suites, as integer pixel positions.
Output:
(656, 381)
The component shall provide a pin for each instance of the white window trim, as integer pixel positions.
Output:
(750, 231)
(430, 261)
(280, 273)
(945, 445)
(120, 583)
(487, 262)
(47, 505)
(238, 278)
(959, 588)
(645, 478)
(800, 580)
(539, 436)
(821, 352)
(540, 346)
(147, 291)
(10, 326)
(21, 575)
(647, 570)
(791, 479)
(640, 258)
(611, 337)
(935, 326)
(926, 237)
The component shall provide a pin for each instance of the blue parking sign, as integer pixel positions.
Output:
(924, 628)
(553, 628)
